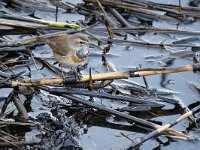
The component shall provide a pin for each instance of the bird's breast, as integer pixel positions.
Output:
(69, 60)
(76, 59)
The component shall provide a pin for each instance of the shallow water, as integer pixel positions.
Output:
(127, 56)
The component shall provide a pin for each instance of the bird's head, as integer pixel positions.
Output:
(76, 40)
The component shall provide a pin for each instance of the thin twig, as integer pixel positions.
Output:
(107, 20)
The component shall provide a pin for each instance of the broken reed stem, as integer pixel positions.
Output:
(105, 76)
(144, 7)
(112, 111)
(8, 135)
(107, 20)
(14, 24)
(119, 17)
(161, 129)
(20, 107)
(32, 40)
(162, 45)
(151, 29)
(40, 21)
(17, 123)
(165, 71)
(85, 78)
(123, 115)
(150, 101)
(9, 142)
(16, 144)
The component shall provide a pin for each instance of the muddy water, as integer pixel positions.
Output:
(127, 56)
(133, 56)
(106, 138)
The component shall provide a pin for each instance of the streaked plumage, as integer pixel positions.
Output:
(67, 48)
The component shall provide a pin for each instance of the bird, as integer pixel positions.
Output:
(69, 50)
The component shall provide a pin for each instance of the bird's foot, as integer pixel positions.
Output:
(74, 75)
(72, 79)
(77, 70)
(77, 74)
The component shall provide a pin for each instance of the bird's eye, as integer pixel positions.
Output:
(81, 42)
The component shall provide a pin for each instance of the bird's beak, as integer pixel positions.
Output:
(87, 42)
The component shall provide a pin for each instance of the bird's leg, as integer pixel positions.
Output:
(77, 73)
(62, 72)
(77, 70)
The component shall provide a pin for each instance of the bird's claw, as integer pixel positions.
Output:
(77, 75)
(74, 75)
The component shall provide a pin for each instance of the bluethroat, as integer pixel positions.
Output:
(68, 49)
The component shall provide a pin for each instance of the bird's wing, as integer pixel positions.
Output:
(58, 43)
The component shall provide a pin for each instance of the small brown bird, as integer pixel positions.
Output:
(68, 49)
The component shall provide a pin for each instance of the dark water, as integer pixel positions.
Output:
(127, 56)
